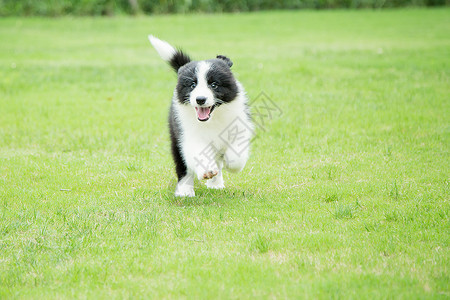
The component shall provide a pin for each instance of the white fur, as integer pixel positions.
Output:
(164, 49)
(216, 182)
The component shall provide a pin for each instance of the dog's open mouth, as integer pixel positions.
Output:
(204, 113)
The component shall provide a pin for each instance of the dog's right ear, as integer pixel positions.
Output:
(176, 58)
(226, 59)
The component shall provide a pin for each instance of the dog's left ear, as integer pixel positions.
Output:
(226, 59)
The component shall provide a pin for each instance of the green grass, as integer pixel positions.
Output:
(346, 194)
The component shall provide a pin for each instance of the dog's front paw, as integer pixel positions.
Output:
(184, 193)
(184, 190)
(216, 182)
(210, 184)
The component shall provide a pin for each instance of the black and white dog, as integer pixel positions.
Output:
(209, 119)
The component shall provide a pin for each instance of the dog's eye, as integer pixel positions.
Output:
(214, 85)
(193, 84)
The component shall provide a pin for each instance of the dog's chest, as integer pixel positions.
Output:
(226, 127)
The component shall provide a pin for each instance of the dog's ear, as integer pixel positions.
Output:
(225, 59)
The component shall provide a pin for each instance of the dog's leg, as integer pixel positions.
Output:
(217, 181)
(202, 159)
(185, 186)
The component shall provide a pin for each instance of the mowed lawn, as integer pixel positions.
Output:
(346, 193)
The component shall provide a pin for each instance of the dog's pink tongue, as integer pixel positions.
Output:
(203, 112)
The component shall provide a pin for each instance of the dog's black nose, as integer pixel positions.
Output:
(200, 100)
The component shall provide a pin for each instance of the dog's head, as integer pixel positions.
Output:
(205, 85)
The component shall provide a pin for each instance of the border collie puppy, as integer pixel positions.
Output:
(209, 120)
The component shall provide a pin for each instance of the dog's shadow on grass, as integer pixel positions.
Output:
(208, 197)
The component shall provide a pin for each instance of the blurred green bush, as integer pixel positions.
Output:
(114, 7)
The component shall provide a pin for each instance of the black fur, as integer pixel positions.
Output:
(226, 59)
(179, 60)
(186, 76)
(220, 73)
(175, 133)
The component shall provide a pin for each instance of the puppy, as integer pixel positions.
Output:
(209, 119)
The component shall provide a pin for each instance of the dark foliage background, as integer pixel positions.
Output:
(114, 7)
